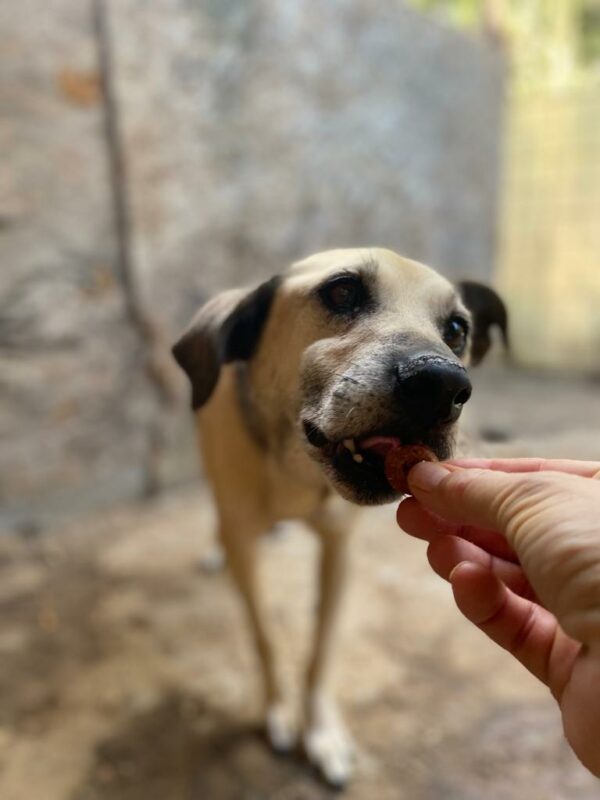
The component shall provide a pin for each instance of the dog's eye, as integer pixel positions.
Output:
(455, 334)
(344, 295)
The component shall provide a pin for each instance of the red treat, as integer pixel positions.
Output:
(401, 459)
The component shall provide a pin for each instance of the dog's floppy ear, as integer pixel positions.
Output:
(488, 310)
(227, 328)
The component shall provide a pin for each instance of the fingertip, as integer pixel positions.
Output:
(426, 476)
(405, 512)
(439, 555)
(415, 520)
(463, 568)
(478, 593)
(447, 552)
(428, 480)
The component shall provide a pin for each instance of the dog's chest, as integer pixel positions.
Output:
(296, 487)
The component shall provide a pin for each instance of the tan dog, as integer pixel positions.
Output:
(327, 367)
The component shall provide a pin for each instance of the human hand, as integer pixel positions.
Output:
(519, 540)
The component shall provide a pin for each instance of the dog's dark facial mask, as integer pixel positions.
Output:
(393, 369)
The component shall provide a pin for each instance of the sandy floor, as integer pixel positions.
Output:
(126, 673)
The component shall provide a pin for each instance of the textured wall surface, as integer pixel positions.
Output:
(251, 132)
(257, 132)
(72, 400)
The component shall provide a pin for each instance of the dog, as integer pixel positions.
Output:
(300, 387)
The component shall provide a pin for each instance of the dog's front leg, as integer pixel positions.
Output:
(327, 743)
(239, 542)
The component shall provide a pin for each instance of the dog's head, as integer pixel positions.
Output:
(350, 351)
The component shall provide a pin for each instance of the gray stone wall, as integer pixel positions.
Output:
(273, 129)
(72, 402)
(249, 133)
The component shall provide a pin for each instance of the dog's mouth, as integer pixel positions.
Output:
(356, 464)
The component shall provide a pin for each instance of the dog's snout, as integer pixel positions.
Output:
(434, 390)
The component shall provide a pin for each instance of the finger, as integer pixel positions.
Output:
(529, 632)
(446, 552)
(586, 469)
(477, 497)
(418, 522)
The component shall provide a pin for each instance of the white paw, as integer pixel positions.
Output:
(329, 746)
(280, 728)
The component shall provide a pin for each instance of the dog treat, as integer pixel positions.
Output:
(400, 460)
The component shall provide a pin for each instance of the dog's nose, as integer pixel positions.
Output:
(434, 390)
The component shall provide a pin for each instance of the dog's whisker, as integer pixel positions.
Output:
(349, 413)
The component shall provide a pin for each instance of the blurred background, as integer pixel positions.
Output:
(154, 153)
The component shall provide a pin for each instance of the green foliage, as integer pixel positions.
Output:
(464, 13)
(554, 42)
(589, 33)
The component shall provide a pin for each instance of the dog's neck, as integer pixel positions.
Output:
(277, 436)
(274, 434)
(255, 425)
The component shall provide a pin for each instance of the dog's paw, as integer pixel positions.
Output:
(281, 732)
(328, 745)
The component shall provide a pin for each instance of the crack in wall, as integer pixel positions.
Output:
(148, 329)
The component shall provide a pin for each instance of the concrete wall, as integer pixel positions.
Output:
(73, 399)
(236, 135)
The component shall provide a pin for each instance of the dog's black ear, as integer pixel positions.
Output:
(227, 328)
(488, 310)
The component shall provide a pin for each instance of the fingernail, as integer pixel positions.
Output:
(427, 475)
(457, 567)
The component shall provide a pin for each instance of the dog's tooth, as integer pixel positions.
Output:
(358, 458)
(349, 444)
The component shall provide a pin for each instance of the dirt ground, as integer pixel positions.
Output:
(126, 671)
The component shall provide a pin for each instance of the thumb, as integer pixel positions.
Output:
(477, 497)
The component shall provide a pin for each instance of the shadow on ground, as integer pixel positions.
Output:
(183, 749)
